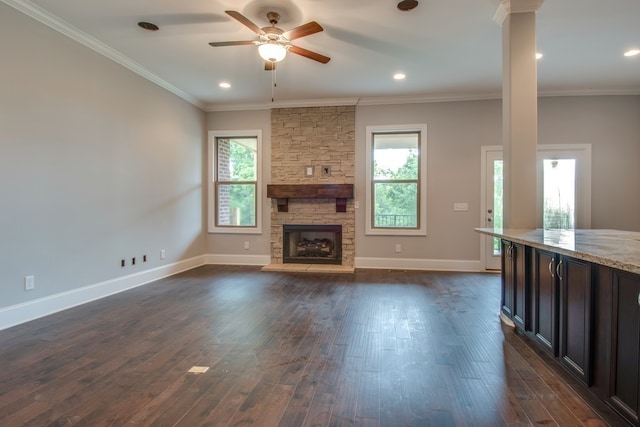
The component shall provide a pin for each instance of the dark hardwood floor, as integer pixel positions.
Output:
(377, 348)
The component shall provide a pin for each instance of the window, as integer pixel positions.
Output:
(234, 184)
(396, 173)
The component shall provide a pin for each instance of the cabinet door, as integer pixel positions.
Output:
(625, 370)
(575, 316)
(520, 286)
(545, 296)
(508, 274)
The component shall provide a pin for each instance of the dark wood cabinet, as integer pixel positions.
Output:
(508, 274)
(575, 316)
(562, 309)
(624, 386)
(515, 283)
(586, 315)
(544, 325)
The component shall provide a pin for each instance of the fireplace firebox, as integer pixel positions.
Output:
(312, 244)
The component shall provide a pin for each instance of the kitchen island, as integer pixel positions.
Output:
(576, 295)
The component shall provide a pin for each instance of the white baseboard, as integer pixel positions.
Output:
(259, 260)
(420, 264)
(24, 312)
(31, 310)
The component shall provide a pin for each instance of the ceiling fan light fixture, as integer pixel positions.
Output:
(272, 51)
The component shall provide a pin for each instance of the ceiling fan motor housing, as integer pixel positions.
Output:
(274, 43)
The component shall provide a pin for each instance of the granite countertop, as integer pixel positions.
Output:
(612, 248)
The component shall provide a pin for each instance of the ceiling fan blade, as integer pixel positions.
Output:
(269, 65)
(236, 43)
(309, 54)
(244, 21)
(303, 30)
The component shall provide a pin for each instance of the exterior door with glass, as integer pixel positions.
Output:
(563, 191)
(492, 205)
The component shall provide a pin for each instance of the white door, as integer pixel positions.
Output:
(492, 204)
(563, 190)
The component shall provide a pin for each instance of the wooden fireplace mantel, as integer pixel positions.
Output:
(284, 192)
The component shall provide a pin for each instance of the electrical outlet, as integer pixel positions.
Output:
(163, 254)
(29, 283)
(398, 247)
(246, 245)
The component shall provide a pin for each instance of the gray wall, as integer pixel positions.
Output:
(233, 244)
(456, 131)
(96, 164)
(611, 124)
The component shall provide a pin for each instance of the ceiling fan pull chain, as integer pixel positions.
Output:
(273, 81)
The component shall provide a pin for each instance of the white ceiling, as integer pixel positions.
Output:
(449, 49)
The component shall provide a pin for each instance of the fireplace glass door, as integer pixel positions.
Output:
(312, 244)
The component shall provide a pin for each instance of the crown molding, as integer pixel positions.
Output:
(590, 92)
(329, 102)
(507, 7)
(96, 45)
(389, 100)
(426, 99)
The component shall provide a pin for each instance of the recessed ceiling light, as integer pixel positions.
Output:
(632, 52)
(225, 85)
(399, 76)
(148, 26)
(539, 55)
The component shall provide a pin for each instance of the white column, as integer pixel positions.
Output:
(519, 110)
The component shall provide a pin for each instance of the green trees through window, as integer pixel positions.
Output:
(236, 181)
(396, 182)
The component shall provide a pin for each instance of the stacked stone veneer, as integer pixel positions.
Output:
(318, 137)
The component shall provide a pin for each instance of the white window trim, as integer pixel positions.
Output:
(211, 211)
(422, 230)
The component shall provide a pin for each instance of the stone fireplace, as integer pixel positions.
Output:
(313, 147)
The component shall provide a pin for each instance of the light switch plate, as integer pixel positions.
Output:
(308, 171)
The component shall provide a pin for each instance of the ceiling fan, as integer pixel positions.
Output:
(274, 43)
